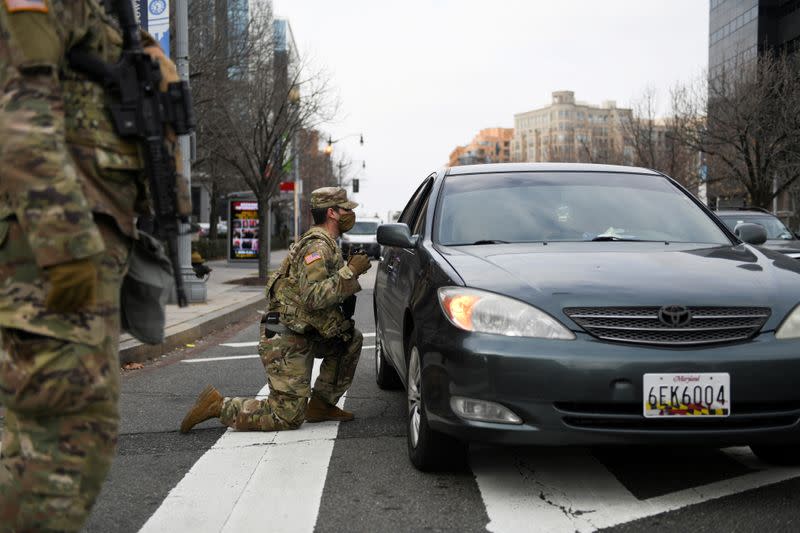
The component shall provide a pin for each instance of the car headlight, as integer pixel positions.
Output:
(486, 312)
(790, 327)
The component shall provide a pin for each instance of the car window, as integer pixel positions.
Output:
(408, 215)
(419, 225)
(773, 225)
(569, 206)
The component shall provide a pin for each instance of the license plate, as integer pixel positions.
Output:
(701, 395)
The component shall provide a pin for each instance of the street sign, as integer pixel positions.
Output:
(286, 186)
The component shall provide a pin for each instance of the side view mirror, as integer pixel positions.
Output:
(396, 235)
(751, 233)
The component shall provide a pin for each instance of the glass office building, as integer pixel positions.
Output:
(740, 30)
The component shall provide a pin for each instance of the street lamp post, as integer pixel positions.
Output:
(340, 179)
(195, 288)
(340, 164)
(331, 141)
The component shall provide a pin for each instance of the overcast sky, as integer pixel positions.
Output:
(420, 77)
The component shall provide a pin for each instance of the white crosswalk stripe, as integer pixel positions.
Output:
(245, 469)
(229, 485)
(566, 490)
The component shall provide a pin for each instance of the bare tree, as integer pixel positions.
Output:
(654, 142)
(219, 52)
(272, 96)
(751, 130)
(592, 151)
(316, 169)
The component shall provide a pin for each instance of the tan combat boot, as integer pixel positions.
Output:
(208, 405)
(319, 411)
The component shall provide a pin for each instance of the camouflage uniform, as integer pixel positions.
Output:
(308, 290)
(70, 189)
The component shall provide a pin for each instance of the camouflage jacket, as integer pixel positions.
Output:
(60, 159)
(311, 284)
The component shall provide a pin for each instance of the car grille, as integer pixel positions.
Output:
(629, 417)
(641, 325)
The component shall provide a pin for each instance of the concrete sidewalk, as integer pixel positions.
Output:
(225, 304)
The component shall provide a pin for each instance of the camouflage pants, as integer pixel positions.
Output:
(60, 396)
(289, 361)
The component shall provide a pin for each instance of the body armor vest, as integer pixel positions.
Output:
(285, 295)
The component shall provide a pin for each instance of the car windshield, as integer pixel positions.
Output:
(775, 228)
(569, 206)
(364, 228)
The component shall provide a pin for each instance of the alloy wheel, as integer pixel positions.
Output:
(414, 396)
(378, 352)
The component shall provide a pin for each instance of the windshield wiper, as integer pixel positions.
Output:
(490, 241)
(614, 238)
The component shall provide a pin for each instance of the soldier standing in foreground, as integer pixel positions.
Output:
(70, 191)
(308, 290)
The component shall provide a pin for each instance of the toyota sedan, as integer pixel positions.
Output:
(556, 304)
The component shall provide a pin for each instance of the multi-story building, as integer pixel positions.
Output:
(740, 30)
(570, 131)
(490, 145)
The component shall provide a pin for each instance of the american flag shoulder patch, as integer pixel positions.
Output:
(310, 258)
(18, 6)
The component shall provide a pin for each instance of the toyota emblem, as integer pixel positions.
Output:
(675, 316)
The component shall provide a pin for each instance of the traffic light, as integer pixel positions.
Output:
(355, 185)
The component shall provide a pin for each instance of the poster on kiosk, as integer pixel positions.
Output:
(243, 230)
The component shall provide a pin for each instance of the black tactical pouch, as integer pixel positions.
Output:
(349, 306)
(272, 324)
(145, 290)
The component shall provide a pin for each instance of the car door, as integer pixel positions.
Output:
(385, 282)
(398, 276)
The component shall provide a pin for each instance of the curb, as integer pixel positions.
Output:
(137, 352)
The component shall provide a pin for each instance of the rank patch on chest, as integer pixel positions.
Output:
(310, 258)
(18, 6)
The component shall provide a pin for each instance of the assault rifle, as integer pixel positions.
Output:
(141, 111)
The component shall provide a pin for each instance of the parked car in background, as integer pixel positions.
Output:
(222, 228)
(363, 236)
(779, 238)
(583, 304)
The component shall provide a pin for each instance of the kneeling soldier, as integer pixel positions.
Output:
(308, 291)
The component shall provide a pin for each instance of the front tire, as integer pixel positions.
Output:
(428, 450)
(777, 454)
(385, 375)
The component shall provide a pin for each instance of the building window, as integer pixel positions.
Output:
(734, 25)
(716, 3)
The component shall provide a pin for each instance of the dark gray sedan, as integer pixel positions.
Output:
(583, 304)
(779, 238)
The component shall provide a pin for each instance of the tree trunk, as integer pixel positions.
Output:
(263, 237)
(214, 215)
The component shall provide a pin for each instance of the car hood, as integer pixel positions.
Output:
(559, 275)
(785, 247)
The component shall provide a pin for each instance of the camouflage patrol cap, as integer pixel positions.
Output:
(331, 197)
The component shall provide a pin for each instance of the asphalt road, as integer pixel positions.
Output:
(369, 485)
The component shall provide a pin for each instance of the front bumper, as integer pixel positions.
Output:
(588, 391)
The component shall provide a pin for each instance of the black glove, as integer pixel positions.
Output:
(349, 306)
